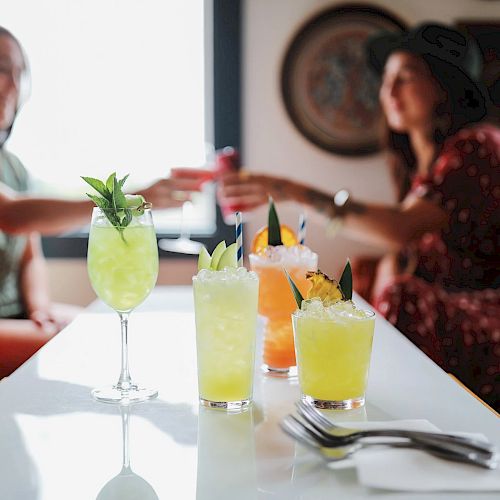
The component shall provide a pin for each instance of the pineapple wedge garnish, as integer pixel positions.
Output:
(323, 287)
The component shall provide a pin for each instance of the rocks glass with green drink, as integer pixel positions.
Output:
(333, 342)
(225, 303)
(122, 264)
(334, 346)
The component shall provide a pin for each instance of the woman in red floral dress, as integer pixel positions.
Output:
(439, 283)
(447, 301)
(449, 304)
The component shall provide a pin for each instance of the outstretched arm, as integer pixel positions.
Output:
(389, 227)
(20, 214)
(386, 226)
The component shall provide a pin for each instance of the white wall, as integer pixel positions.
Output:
(271, 141)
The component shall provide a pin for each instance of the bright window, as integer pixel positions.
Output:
(116, 85)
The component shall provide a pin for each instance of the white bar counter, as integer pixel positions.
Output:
(56, 443)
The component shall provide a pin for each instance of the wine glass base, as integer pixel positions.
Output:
(119, 396)
(180, 245)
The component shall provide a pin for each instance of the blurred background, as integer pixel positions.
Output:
(143, 86)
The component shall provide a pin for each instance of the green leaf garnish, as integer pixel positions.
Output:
(113, 202)
(119, 200)
(102, 203)
(345, 282)
(273, 226)
(296, 292)
(127, 218)
(110, 182)
(97, 185)
(122, 182)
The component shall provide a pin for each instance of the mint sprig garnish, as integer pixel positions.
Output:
(112, 201)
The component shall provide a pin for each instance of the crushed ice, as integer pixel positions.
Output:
(297, 254)
(315, 308)
(227, 274)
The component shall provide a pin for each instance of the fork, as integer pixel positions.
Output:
(298, 431)
(428, 444)
(349, 435)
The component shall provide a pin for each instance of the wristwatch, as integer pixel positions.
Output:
(340, 201)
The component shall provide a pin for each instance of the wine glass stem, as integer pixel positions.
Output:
(125, 418)
(125, 382)
(184, 231)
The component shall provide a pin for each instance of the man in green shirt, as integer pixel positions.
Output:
(28, 319)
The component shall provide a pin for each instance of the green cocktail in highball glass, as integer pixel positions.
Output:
(225, 304)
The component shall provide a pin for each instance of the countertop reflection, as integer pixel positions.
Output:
(56, 442)
(126, 485)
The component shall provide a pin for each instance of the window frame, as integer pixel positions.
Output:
(225, 86)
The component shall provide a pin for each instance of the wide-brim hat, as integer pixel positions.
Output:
(455, 60)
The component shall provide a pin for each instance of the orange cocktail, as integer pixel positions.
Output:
(276, 302)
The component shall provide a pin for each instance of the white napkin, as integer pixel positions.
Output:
(415, 470)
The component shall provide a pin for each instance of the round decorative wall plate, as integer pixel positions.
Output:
(330, 93)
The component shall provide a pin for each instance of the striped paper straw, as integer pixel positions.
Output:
(239, 239)
(302, 228)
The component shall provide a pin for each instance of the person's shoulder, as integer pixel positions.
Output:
(19, 174)
(13, 160)
(471, 152)
(480, 141)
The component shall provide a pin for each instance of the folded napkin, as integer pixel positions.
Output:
(415, 470)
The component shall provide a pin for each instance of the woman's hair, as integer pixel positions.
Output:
(449, 118)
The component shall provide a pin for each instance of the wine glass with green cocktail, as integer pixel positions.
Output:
(122, 264)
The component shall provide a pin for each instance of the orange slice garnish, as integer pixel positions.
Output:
(288, 237)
